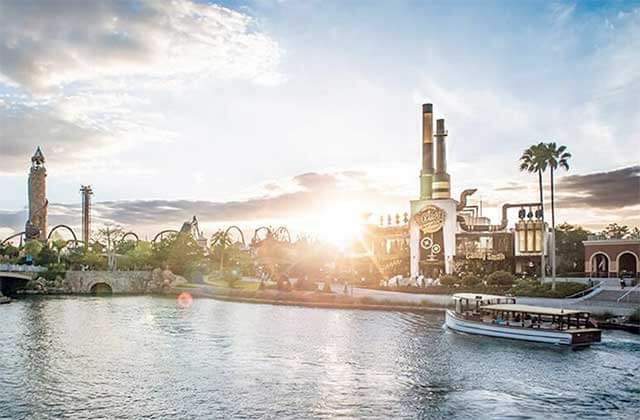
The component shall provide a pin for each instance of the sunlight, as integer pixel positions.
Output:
(337, 224)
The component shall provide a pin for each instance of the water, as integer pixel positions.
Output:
(132, 357)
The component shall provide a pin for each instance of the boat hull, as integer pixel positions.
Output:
(564, 338)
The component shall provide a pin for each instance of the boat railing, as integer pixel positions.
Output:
(586, 291)
(628, 292)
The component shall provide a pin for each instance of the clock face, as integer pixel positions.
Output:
(430, 219)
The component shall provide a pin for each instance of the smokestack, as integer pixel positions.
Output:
(441, 186)
(426, 175)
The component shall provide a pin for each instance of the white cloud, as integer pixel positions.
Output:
(78, 75)
(58, 42)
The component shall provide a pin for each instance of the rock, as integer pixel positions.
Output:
(178, 281)
(164, 279)
(39, 284)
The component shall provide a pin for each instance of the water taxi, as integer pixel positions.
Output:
(500, 316)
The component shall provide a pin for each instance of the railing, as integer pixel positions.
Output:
(584, 292)
(636, 287)
(20, 268)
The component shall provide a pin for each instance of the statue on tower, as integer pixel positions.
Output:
(36, 226)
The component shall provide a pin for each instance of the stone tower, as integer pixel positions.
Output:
(36, 227)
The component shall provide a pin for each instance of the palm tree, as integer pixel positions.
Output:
(221, 240)
(58, 245)
(556, 157)
(532, 160)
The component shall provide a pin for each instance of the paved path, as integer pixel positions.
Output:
(441, 300)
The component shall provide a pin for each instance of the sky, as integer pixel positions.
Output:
(307, 113)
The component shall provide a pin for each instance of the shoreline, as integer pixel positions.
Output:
(354, 304)
(379, 301)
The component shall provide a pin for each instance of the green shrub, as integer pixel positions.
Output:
(231, 277)
(471, 281)
(634, 318)
(54, 270)
(449, 280)
(533, 288)
(500, 278)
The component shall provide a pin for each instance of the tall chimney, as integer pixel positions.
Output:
(441, 179)
(426, 175)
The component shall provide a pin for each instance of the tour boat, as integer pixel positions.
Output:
(500, 316)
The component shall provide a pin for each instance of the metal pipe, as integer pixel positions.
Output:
(472, 208)
(463, 198)
(492, 228)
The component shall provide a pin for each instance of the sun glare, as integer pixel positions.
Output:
(338, 225)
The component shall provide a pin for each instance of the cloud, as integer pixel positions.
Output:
(76, 77)
(607, 190)
(56, 42)
(599, 197)
(314, 193)
(24, 128)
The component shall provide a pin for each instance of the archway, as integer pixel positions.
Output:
(101, 289)
(256, 234)
(237, 229)
(600, 265)
(164, 232)
(128, 234)
(280, 234)
(75, 238)
(15, 235)
(627, 263)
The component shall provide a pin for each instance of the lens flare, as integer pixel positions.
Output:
(184, 300)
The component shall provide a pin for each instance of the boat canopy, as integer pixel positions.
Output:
(538, 310)
(477, 296)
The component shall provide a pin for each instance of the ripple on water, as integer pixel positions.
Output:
(147, 357)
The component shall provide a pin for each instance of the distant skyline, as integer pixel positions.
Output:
(306, 113)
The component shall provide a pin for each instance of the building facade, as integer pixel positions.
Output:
(442, 235)
(611, 257)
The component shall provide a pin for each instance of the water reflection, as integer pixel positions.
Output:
(143, 356)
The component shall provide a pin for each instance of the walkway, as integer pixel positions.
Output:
(590, 305)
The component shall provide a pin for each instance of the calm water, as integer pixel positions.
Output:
(147, 357)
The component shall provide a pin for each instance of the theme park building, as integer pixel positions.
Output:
(443, 235)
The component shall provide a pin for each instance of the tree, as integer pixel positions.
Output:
(500, 278)
(449, 281)
(89, 258)
(570, 247)
(110, 237)
(556, 157)
(58, 245)
(181, 253)
(471, 281)
(9, 251)
(32, 249)
(533, 160)
(45, 257)
(220, 242)
(137, 257)
(616, 231)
